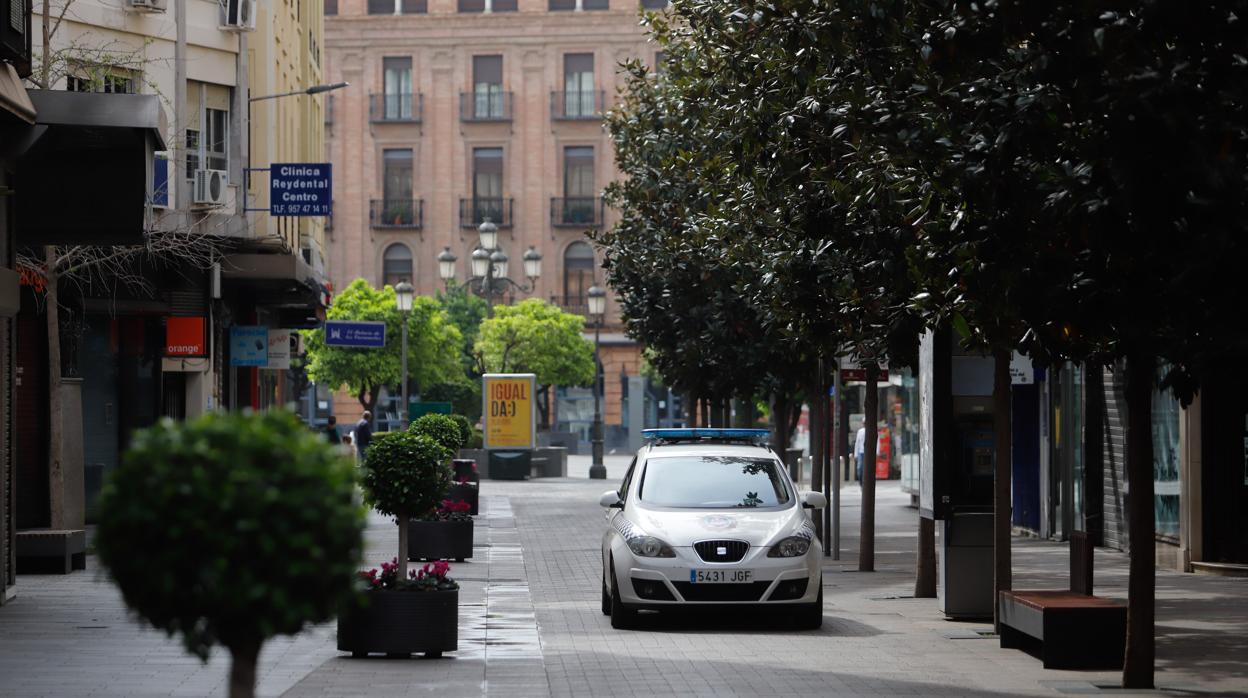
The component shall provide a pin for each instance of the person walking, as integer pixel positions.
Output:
(363, 434)
(860, 449)
(331, 430)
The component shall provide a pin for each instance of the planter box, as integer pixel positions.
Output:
(439, 540)
(465, 493)
(466, 467)
(401, 623)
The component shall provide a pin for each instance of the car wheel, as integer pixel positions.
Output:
(623, 616)
(810, 616)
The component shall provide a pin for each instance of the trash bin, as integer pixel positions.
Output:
(966, 565)
(510, 465)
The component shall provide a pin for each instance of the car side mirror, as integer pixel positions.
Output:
(814, 500)
(611, 500)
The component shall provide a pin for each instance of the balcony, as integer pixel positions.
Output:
(401, 108)
(577, 212)
(586, 105)
(405, 214)
(473, 211)
(485, 107)
(577, 304)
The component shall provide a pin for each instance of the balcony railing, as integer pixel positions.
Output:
(396, 108)
(473, 211)
(485, 106)
(397, 213)
(576, 212)
(578, 304)
(566, 105)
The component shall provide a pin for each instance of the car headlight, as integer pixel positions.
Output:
(793, 546)
(649, 546)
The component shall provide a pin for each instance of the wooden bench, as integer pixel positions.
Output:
(50, 551)
(1074, 629)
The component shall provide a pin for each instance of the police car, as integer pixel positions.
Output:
(710, 517)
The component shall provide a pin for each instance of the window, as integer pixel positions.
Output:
(578, 84)
(160, 180)
(578, 276)
(654, 4)
(578, 185)
(192, 152)
(216, 139)
(331, 8)
(397, 7)
(397, 87)
(487, 87)
(487, 5)
(105, 79)
(397, 178)
(381, 7)
(487, 184)
(577, 5)
(396, 265)
(713, 482)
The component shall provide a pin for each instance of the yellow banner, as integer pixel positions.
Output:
(509, 412)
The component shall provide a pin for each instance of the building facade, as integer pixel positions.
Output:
(463, 110)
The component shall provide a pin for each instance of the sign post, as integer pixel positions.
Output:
(301, 189)
(510, 420)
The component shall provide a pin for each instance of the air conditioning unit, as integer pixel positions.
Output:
(148, 5)
(238, 15)
(210, 187)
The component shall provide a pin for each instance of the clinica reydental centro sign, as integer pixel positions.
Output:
(300, 189)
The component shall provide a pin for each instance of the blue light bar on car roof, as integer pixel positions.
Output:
(701, 434)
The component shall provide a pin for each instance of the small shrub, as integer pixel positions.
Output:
(406, 473)
(465, 429)
(441, 428)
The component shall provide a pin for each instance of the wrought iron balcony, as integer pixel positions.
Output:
(473, 211)
(577, 212)
(397, 213)
(578, 304)
(485, 106)
(402, 108)
(583, 105)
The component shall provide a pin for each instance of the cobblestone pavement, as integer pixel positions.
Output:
(530, 625)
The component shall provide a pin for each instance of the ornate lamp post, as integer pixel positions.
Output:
(597, 311)
(403, 293)
(489, 265)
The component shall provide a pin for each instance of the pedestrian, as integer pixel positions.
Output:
(860, 450)
(363, 434)
(331, 430)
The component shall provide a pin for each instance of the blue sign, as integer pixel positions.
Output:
(249, 345)
(300, 189)
(345, 333)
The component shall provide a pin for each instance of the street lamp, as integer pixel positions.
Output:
(403, 293)
(597, 311)
(313, 90)
(446, 265)
(489, 265)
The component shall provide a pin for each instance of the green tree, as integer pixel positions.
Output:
(406, 474)
(231, 529)
(466, 311)
(433, 344)
(536, 337)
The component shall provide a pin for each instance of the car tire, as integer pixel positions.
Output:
(810, 616)
(606, 597)
(623, 616)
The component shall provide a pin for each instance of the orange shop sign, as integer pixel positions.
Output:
(184, 336)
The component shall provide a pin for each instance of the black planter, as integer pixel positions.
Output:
(466, 467)
(439, 540)
(401, 623)
(465, 493)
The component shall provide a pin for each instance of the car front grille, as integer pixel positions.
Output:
(751, 591)
(721, 550)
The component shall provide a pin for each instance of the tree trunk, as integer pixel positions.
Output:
(1002, 470)
(45, 68)
(1137, 670)
(543, 408)
(706, 408)
(795, 416)
(866, 548)
(402, 558)
(243, 661)
(690, 405)
(925, 566)
(56, 472)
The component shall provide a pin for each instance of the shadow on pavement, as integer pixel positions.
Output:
(751, 621)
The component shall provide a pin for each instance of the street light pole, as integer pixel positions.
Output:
(403, 293)
(597, 310)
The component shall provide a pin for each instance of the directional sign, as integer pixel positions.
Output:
(301, 189)
(347, 333)
(510, 420)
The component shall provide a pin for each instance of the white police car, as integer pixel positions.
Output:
(710, 517)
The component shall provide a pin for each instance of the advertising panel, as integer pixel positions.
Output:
(185, 337)
(508, 410)
(249, 345)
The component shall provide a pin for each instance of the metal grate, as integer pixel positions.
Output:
(752, 591)
(721, 550)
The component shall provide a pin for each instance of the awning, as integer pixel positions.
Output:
(280, 281)
(85, 175)
(13, 97)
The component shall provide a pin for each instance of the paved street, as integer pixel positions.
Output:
(530, 625)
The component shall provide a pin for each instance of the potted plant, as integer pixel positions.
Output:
(400, 617)
(230, 529)
(466, 487)
(406, 473)
(443, 534)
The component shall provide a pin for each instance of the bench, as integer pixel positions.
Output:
(1073, 628)
(50, 551)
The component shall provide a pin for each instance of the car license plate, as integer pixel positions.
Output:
(721, 576)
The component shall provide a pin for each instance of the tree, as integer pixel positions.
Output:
(210, 537)
(466, 311)
(536, 337)
(406, 474)
(433, 344)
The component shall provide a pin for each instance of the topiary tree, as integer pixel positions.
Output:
(407, 473)
(231, 529)
(465, 429)
(443, 429)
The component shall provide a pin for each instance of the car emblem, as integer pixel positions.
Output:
(721, 551)
(716, 522)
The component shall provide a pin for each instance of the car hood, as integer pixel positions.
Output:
(682, 528)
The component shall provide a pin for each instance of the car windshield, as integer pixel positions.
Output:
(712, 482)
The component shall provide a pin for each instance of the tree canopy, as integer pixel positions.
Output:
(533, 336)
